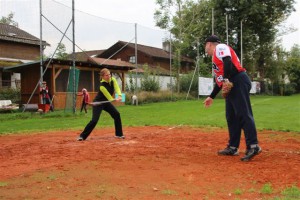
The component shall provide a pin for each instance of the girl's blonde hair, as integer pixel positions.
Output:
(103, 72)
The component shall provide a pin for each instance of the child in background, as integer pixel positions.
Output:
(85, 99)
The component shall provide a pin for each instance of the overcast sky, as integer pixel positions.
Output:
(117, 12)
(141, 12)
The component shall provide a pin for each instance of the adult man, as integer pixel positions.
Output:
(227, 69)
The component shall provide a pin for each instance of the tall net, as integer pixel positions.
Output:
(91, 32)
(72, 89)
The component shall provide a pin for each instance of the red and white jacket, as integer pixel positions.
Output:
(221, 51)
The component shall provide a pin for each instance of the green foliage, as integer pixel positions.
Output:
(267, 189)
(190, 22)
(169, 192)
(9, 20)
(10, 94)
(145, 97)
(292, 192)
(61, 52)
(170, 16)
(293, 67)
(131, 86)
(3, 184)
(258, 38)
(238, 191)
(281, 89)
(187, 81)
(149, 81)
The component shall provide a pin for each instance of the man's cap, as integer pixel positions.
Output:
(213, 38)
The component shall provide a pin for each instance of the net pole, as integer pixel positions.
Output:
(136, 65)
(171, 84)
(41, 47)
(74, 64)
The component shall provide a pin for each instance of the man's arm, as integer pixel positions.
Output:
(227, 63)
(215, 91)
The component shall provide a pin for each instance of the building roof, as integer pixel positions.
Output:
(121, 65)
(83, 56)
(110, 62)
(14, 34)
(151, 51)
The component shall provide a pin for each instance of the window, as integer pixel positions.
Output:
(132, 59)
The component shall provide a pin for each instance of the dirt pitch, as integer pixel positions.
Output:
(151, 163)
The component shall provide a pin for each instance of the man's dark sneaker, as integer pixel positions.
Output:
(229, 151)
(80, 139)
(250, 153)
(120, 137)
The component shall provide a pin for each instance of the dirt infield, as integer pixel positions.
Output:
(151, 163)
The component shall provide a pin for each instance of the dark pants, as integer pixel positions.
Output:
(114, 113)
(239, 112)
(48, 101)
(83, 106)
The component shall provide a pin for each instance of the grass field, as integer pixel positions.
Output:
(270, 113)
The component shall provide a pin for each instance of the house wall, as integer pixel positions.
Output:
(29, 79)
(143, 59)
(19, 51)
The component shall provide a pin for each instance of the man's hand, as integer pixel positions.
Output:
(207, 102)
(226, 88)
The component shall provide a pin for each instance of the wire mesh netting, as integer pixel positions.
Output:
(91, 32)
(72, 88)
(51, 20)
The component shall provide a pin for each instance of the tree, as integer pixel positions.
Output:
(260, 20)
(9, 20)
(61, 52)
(293, 67)
(170, 17)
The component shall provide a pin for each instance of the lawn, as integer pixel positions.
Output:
(270, 113)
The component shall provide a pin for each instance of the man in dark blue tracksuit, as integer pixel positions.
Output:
(239, 116)
(108, 86)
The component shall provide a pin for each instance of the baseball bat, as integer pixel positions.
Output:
(96, 103)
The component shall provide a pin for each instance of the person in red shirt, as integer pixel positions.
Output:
(44, 92)
(239, 116)
(85, 99)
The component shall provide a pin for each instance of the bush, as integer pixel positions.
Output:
(185, 83)
(281, 89)
(152, 97)
(11, 94)
(131, 85)
(289, 89)
(149, 82)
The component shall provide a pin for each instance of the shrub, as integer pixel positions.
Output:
(11, 94)
(149, 82)
(130, 87)
(186, 81)
(289, 89)
(152, 97)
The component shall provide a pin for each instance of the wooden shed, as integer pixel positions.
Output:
(57, 78)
